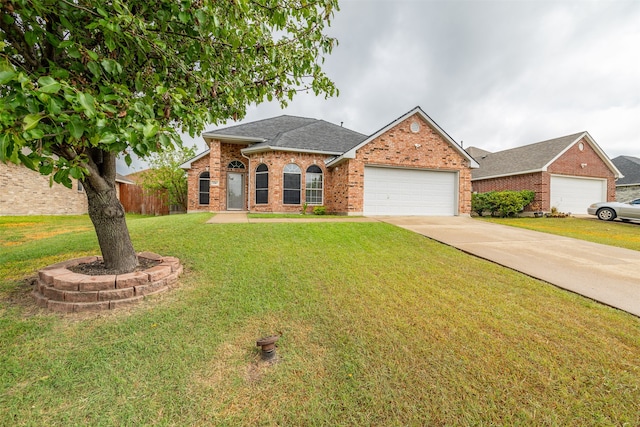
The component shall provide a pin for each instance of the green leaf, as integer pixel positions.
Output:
(45, 168)
(53, 107)
(30, 121)
(7, 76)
(76, 172)
(107, 138)
(5, 141)
(74, 52)
(94, 68)
(26, 161)
(48, 85)
(111, 66)
(149, 130)
(76, 128)
(33, 134)
(87, 102)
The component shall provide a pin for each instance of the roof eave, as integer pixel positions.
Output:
(187, 164)
(265, 148)
(232, 139)
(502, 175)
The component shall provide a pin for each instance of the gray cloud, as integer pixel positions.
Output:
(495, 74)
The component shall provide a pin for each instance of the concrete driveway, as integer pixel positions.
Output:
(604, 273)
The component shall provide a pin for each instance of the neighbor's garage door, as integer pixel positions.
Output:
(390, 191)
(572, 194)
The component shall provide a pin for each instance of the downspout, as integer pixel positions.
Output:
(248, 182)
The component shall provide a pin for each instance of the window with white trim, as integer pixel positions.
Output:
(313, 185)
(203, 188)
(262, 184)
(235, 164)
(291, 187)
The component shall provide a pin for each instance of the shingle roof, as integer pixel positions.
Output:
(630, 168)
(292, 133)
(476, 152)
(532, 157)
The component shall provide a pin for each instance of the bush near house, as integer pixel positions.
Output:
(501, 203)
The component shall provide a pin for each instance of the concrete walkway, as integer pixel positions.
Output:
(603, 273)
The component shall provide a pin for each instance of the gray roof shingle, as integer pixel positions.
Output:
(294, 133)
(630, 168)
(532, 157)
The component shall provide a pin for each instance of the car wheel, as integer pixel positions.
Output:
(606, 214)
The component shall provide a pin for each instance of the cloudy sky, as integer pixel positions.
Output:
(492, 74)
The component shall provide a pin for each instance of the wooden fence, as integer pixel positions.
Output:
(135, 199)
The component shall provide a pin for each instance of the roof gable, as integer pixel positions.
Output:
(416, 111)
(630, 167)
(533, 157)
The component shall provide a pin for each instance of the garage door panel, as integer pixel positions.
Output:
(575, 194)
(389, 191)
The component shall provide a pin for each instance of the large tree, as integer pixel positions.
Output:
(82, 81)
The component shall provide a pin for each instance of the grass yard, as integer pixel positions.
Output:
(614, 233)
(380, 327)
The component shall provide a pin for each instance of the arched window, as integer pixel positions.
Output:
(203, 187)
(262, 184)
(313, 185)
(235, 164)
(291, 187)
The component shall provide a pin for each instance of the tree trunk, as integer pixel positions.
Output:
(107, 214)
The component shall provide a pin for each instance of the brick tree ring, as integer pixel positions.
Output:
(60, 289)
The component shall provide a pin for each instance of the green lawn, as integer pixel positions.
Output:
(379, 327)
(614, 233)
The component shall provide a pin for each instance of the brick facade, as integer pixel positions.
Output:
(401, 147)
(343, 184)
(27, 192)
(570, 163)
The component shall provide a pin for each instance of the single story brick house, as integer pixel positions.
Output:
(568, 173)
(627, 187)
(282, 164)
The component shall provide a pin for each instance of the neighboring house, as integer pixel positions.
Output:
(27, 192)
(282, 164)
(628, 187)
(568, 173)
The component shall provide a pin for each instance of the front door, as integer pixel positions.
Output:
(235, 191)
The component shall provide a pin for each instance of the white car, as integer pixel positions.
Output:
(608, 211)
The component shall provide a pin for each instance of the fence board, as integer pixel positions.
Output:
(135, 199)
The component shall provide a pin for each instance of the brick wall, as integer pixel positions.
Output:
(569, 163)
(397, 147)
(26, 192)
(538, 182)
(276, 161)
(193, 175)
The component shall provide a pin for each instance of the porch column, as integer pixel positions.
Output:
(215, 176)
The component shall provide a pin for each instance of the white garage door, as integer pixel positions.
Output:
(572, 194)
(390, 191)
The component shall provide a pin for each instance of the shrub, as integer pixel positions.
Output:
(480, 203)
(319, 210)
(501, 203)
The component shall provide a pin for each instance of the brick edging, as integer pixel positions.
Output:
(59, 289)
